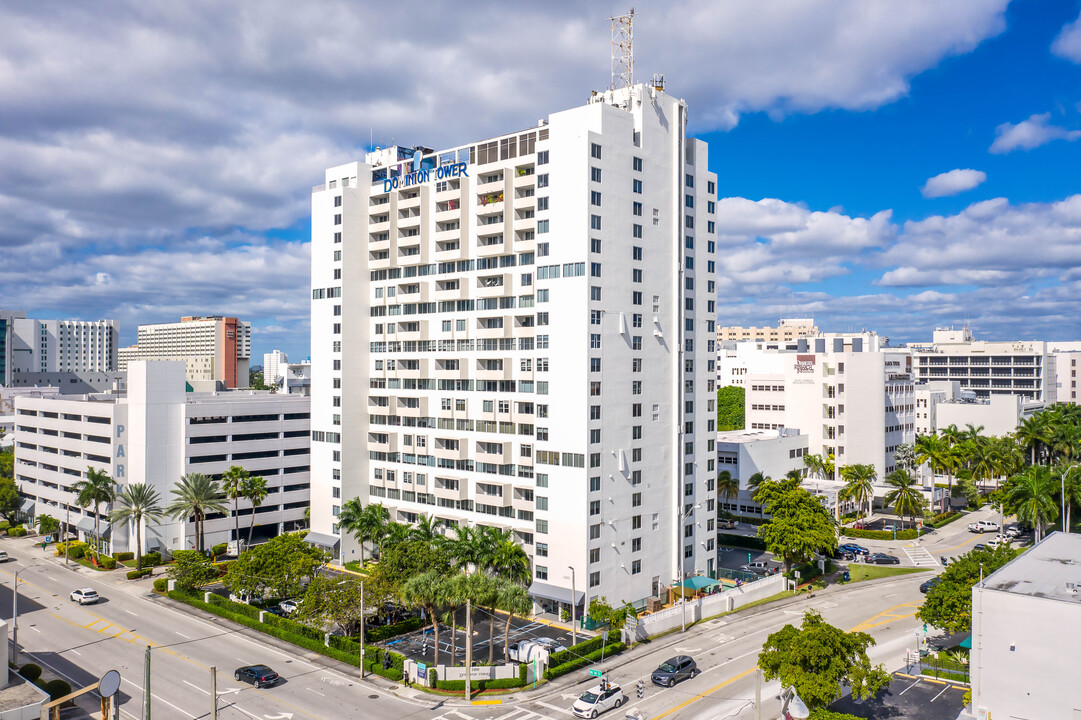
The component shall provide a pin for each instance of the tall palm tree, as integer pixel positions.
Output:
(426, 529)
(454, 593)
(1066, 441)
(394, 533)
(939, 455)
(727, 486)
(815, 466)
(507, 559)
(426, 591)
(137, 503)
(905, 496)
(905, 456)
(859, 485)
(467, 547)
(254, 490)
(1033, 434)
(350, 519)
(373, 525)
(1031, 496)
(232, 482)
(513, 600)
(484, 590)
(96, 489)
(196, 495)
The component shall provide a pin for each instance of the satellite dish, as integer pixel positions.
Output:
(109, 684)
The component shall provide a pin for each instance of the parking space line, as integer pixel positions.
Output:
(909, 687)
(936, 697)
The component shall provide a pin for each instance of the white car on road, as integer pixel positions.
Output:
(998, 540)
(982, 526)
(85, 596)
(598, 699)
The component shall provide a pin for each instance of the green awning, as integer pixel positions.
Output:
(967, 643)
(700, 582)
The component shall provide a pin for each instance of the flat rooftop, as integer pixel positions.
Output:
(750, 436)
(1050, 569)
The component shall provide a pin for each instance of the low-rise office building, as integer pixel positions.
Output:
(155, 434)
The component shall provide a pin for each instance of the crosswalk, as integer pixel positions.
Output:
(518, 713)
(920, 556)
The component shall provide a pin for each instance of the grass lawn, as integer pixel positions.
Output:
(859, 571)
(128, 563)
(354, 566)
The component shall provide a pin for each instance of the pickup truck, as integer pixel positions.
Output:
(982, 526)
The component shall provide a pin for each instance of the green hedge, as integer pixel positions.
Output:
(825, 714)
(57, 689)
(945, 674)
(30, 672)
(109, 563)
(124, 556)
(380, 633)
(744, 541)
(161, 584)
(219, 549)
(16, 531)
(136, 574)
(943, 519)
(4, 525)
(878, 534)
(152, 558)
(610, 649)
(583, 648)
(480, 685)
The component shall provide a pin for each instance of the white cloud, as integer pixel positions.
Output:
(1029, 134)
(952, 183)
(1068, 43)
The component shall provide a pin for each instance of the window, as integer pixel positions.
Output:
(337, 201)
(542, 159)
(595, 222)
(595, 174)
(636, 275)
(594, 293)
(542, 180)
(542, 502)
(594, 484)
(595, 269)
(542, 227)
(594, 412)
(636, 365)
(636, 410)
(594, 317)
(594, 579)
(595, 245)
(637, 209)
(337, 239)
(594, 532)
(542, 203)
(636, 342)
(540, 570)
(595, 341)
(636, 567)
(636, 499)
(636, 387)
(636, 432)
(595, 150)
(594, 436)
(594, 365)
(636, 186)
(637, 163)
(337, 219)
(636, 297)
(636, 320)
(690, 181)
(594, 556)
(542, 527)
(542, 296)
(636, 230)
(636, 522)
(636, 544)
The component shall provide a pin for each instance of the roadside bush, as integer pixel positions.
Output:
(4, 525)
(17, 531)
(109, 563)
(942, 519)
(825, 714)
(76, 549)
(152, 558)
(433, 677)
(30, 672)
(743, 541)
(124, 556)
(878, 534)
(136, 574)
(76, 552)
(161, 584)
(219, 549)
(383, 632)
(57, 689)
(945, 674)
(582, 648)
(503, 683)
(523, 672)
(610, 649)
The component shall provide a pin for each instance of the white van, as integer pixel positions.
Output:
(527, 651)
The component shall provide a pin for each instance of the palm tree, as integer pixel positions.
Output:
(937, 452)
(137, 503)
(484, 590)
(198, 495)
(349, 521)
(467, 546)
(905, 456)
(426, 529)
(232, 481)
(426, 591)
(47, 524)
(507, 559)
(514, 600)
(1033, 433)
(905, 496)
(454, 593)
(1031, 496)
(96, 489)
(395, 533)
(727, 486)
(254, 490)
(859, 486)
(815, 465)
(364, 523)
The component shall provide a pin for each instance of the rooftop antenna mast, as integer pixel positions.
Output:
(622, 50)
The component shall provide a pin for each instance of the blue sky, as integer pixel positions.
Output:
(161, 165)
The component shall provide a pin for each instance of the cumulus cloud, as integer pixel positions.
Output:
(1068, 43)
(952, 183)
(1029, 134)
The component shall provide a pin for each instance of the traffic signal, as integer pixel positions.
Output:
(641, 689)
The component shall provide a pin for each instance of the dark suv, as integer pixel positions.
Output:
(673, 670)
(258, 675)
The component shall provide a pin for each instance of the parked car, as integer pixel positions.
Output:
(998, 540)
(673, 670)
(759, 567)
(979, 546)
(982, 526)
(85, 596)
(854, 549)
(882, 559)
(930, 584)
(598, 699)
(276, 611)
(258, 675)
(288, 606)
(726, 524)
(1012, 532)
(3, 556)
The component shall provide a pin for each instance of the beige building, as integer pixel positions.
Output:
(213, 348)
(787, 329)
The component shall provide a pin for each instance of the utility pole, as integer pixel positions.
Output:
(15, 620)
(213, 692)
(67, 531)
(146, 685)
(468, 648)
(757, 694)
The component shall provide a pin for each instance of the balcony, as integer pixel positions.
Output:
(450, 488)
(411, 407)
(445, 453)
(488, 452)
(493, 493)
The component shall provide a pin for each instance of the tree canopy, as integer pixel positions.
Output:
(331, 600)
(279, 568)
(800, 525)
(9, 498)
(191, 569)
(948, 605)
(730, 408)
(404, 560)
(817, 657)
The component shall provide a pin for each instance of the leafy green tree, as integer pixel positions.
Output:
(817, 658)
(196, 495)
(254, 490)
(191, 569)
(7, 463)
(136, 504)
(10, 501)
(96, 489)
(331, 600)
(730, 408)
(904, 495)
(399, 563)
(799, 524)
(232, 483)
(948, 605)
(279, 568)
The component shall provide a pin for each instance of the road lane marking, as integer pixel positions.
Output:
(202, 690)
(52, 578)
(565, 711)
(181, 634)
(908, 688)
(701, 695)
(130, 612)
(34, 629)
(315, 691)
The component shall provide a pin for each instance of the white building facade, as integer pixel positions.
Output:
(743, 453)
(520, 333)
(274, 366)
(213, 348)
(37, 347)
(154, 435)
(1024, 368)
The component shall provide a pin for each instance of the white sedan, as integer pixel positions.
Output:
(598, 699)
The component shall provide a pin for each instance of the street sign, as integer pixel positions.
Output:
(595, 673)
(604, 635)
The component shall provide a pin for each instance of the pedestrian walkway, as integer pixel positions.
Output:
(919, 555)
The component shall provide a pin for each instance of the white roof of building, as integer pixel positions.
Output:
(1050, 569)
(750, 436)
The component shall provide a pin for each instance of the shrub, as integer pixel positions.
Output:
(161, 584)
(878, 534)
(30, 671)
(945, 674)
(219, 549)
(433, 677)
(523, 672)
(57, 689)
(744, 541)
(124, 556)
(582, 648)
(109, 563)
(825, 714)
(503, 683)
(76, 552)
(17, 531)
(4, 525)
(383, 632)
(152, 558)
(136, 574)
(555, 671)
(942, 519)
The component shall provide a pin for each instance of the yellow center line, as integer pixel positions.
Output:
(701, 695)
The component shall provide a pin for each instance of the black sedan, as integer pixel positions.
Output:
(930, 584)
(258, 675)
(882, 559)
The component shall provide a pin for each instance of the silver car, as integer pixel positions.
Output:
(598, 699)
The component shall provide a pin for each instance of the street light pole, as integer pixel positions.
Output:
(15, 620)
(146, 685)
(574, 599)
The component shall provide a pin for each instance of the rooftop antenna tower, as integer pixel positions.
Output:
(622, 50)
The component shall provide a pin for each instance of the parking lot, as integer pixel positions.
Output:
(733, 559)
(909, 698)
(420, 645)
